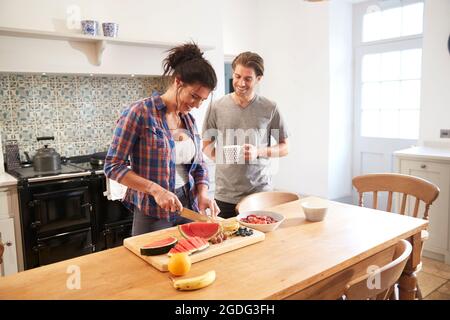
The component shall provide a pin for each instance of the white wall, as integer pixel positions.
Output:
(241, 25)
(435, 102)
(294, 46)
(341, 102)
(294, 38)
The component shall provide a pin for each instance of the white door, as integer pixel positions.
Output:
(387, 85)
(9, 265)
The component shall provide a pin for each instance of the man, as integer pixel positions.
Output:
(247, 119)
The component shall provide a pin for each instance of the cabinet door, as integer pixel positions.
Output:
(439, 174)
(9, 265)
(4, 208)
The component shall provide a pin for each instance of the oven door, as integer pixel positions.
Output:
(61, 211)
(114, 234)
(64, 246)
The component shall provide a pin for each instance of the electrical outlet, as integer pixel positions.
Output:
(445, 133)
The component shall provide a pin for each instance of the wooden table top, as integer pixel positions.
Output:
(296, 255)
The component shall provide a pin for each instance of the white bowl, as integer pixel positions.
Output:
(261, 227)
(315, 209)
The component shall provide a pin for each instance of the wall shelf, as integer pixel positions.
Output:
(99, 42)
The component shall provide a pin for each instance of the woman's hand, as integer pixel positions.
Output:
(167, 200)
(204, 203)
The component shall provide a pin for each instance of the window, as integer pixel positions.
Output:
(405, 20)
(389, 66)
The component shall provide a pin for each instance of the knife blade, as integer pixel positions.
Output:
(195, 216)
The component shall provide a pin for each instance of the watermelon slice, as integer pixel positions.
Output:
(205, 230)
(159, 247)
(184, 243)
(199, 243)
(189, 245)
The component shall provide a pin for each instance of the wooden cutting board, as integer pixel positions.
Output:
(160, 262)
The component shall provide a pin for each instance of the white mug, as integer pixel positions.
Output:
(232, 153)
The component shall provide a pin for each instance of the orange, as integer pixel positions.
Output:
(179, 264)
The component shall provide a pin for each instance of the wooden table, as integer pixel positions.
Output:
(300, 260)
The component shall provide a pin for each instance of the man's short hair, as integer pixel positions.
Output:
(250, 60)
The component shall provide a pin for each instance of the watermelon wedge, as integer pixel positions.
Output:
(205, 230)
(189, 245)
(199, 243)
(159, 247)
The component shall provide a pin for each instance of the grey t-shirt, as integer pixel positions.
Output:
(227, 123)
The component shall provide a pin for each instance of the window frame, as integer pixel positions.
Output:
(373, 47)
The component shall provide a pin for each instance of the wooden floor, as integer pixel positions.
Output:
(434, 280)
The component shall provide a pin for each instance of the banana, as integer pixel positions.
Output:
(195, 283)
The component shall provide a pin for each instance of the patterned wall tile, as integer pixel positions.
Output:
(23, 113)
(45, 89)
(4, 90)
(5, 114)
(27, 134)
(79, 111)
(45, 113)
(68, 112)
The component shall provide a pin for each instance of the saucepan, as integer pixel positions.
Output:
(98, 159)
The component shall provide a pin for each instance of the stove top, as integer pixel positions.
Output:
(73, 166)
(29, 173)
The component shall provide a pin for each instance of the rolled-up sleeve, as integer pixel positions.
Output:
(200, 173)
(126, 133)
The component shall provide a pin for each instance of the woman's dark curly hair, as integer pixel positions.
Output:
(186, 62)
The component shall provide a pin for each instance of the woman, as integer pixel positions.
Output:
(160, 137)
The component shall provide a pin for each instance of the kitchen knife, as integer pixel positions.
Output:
(195, 216)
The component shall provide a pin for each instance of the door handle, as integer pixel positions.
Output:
(7, 243)
(38, 247)
(87, 205)
(33, 203)
(423, 166)
(35, 224)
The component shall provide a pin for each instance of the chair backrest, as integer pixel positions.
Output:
(378, 284)
(419, 188)
(262, 200)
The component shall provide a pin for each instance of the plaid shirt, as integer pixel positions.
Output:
(142, 134)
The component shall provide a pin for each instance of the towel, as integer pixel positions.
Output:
(114, 190)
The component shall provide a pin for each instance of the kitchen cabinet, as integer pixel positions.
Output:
(7, 237)
(433, 165)
(9, 216)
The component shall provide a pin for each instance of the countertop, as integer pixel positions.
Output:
(7, 180)
(425, 153)
(290, 260)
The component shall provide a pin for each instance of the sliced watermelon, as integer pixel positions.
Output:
(159, 247)
(205, 230)
(199, 243)
(184, 243)
(189, 245)
(177, 250)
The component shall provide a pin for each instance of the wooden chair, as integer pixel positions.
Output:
(379, 284)
(262, 200)
(420, 189)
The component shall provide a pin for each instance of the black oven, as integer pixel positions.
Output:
(65, 214)
(57, 220)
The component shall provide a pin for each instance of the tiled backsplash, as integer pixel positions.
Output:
(79, 111)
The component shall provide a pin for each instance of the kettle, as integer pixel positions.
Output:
(46, 159)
